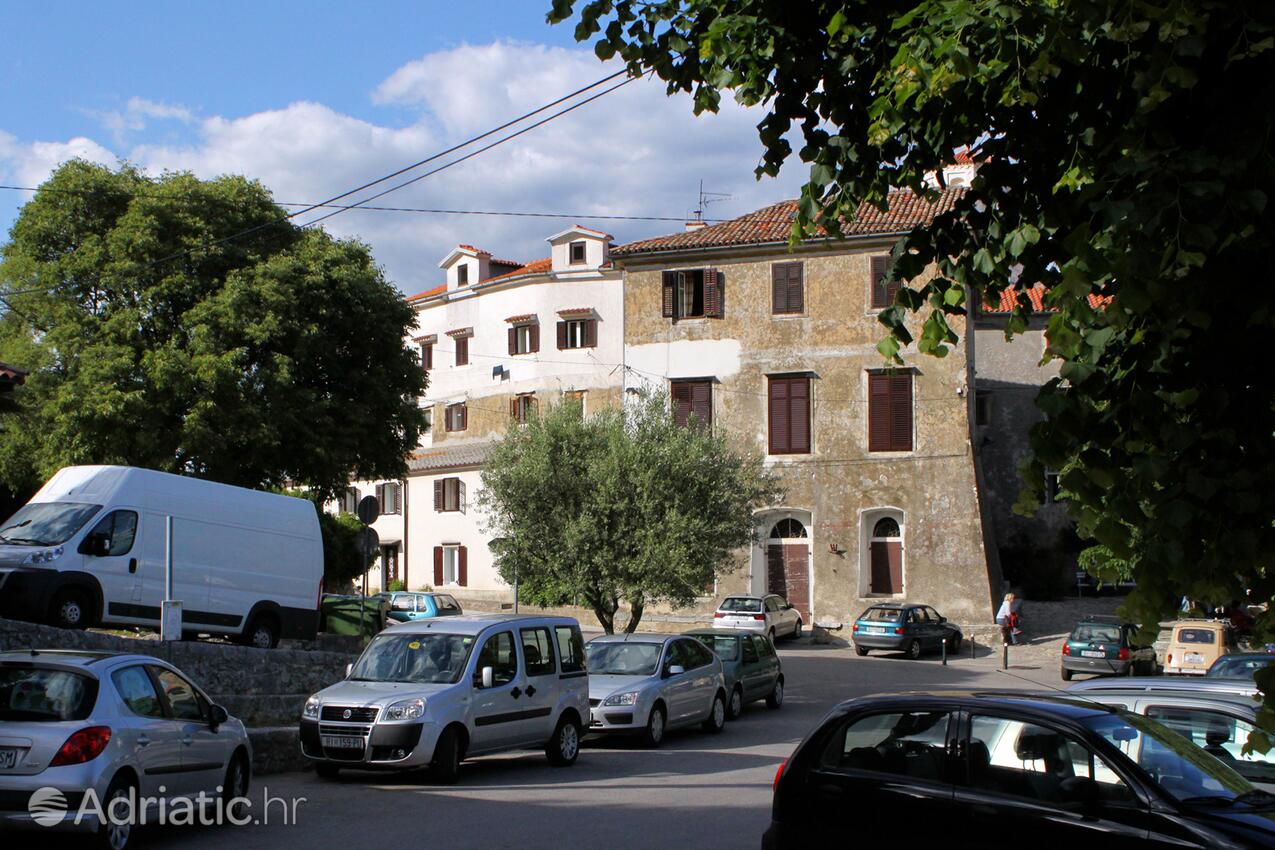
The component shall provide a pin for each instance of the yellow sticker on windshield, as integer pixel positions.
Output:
(414, 645)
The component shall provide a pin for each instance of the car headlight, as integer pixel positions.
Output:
(311, 709)
(408, 709)
(44, 556)
(629, 698)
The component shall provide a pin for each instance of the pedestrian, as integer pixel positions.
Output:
(1006, 618)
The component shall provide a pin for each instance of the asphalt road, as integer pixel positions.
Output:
(698, 790)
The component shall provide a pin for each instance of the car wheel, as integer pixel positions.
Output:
(860, 651)
(914, 649)
(70, 609)
(564, 746)
(446, 763)
(1066, 674)
(112, 835)
(262, 632)
(736, 705)
(776, 698)
(326, 770)
(235, 785)
(796, 631)
(653, 735)
(716, 720)
(771, 636)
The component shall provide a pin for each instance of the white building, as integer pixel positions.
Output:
(498, 338)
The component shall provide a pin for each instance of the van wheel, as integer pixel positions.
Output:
(446, 763)
(564, 746)
(71, 609)
(653, 735)
(326, 770)
(262, 632)
(118, 836)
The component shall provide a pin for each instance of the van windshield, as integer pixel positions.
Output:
(46, 523)
(428, 659)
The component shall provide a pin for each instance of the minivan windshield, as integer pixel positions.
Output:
(627, 658)
(46, 523)
(429, 659)
(45, 694)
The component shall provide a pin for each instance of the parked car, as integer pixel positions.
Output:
(1106, 646)
(89, 548)
(407, 606)
(1240, 665)
(1167, 684)
(988, 770)
(770, 614)
(647, 684)
(103, 725)
(750, 665)
(1196, 644)
(1218, 723)
(904, 627)
(433, 692)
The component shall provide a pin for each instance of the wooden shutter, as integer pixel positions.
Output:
(799, 415)
(440, 495)
(670, 288)
(780, 430)
(879, 285)
(438, 566)
(878, 413)
(427, 357)
(462, 351)
(513, 340)
(462, 566)
(901, 412)
(702, 402)
(380, 499)
(562, 335)
(890, 412)
(796, 288)
(513, 408)
(460, 495)
(680, 394)
(590, 333)
(535, 337)
(779, 288)
(464, 418)
(713, 293)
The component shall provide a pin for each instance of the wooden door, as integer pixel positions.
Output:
(887, 566)
(788, 574)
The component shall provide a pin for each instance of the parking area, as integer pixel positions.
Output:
(697, 790)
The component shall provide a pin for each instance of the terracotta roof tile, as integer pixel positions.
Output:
(1036, 297)
(905, 211)
(520, 318)
(451, 457)
(475, 250)
(575, 311)
(438, 290)
(533, 267)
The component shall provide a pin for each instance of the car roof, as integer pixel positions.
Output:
(748, 596)
(1104, 619)
(1198, 684)
(1199, 623)
(1052, 704)
(1182, 698)
(1248, 656)
(639, 637)
(717, 632)
(472, 624)
(86, 660)
(898, 606)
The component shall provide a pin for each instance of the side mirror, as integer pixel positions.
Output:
(217, 716)
(349, 668)
(676, 670)
(942, 619)
(488, 677)
(1080, 789)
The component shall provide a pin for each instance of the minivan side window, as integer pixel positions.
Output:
(697, 655)
(120, 529)
(537, 652)
(570, 648)
(498, 654)
(138, 692)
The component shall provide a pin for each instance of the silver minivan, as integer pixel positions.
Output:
(430, 693)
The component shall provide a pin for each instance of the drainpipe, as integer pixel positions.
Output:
(403, 497)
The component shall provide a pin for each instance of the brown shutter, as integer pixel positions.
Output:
(462, 566)
(562, 335)
(591, 333)
(464, 417)
(879, 413)
(535, 338)
(427, 357)
(680, 393)
(439, 495)
(796, 288)
(880, 266)
(779, 288)
(670, 284)
(713, 293)
(702, 402)
(513, 340)
(380, 498)
(460, 495)
(438, 566)
(901, 412)
(799, 415)
(780, 430)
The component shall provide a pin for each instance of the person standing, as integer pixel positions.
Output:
(1008, 619)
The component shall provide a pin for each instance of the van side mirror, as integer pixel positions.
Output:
(217, 716)
(488, 677)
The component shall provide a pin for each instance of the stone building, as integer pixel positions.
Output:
(778, 347)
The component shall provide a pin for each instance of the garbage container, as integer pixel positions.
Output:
(344, 615)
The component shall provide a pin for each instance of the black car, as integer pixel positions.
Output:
(983, 770)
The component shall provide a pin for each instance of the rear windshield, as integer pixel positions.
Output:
(884, 615)
(740, 603)
(1102, 634)
(44, 693)
(1231, 667)
(725, 646)
(1197, 636)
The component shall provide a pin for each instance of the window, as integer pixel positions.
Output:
(446, 605)
(1052, 493)
(762, 645)
(498, 654)
(429, 420)
(388, 495)
(522, 407)
(692, 401)
(726, 647)
(884, 290)
(911, 744)
(696, 654)
(457, 418)
(570, 648)
(889, 412)
(537, 652)
(693, 293)
(462, 350)
(982, 408)
(138, 691)
(787, 289)
(449, 495)
(427, 356)
(576, 397)
(789, 415)
(462, 274)
(118, 529)
(184, 701)
(524, 338)
(451, 565)
(350, 500)
(577, 252)
(577, 333)
(750, 651)
(675, 656)
(403, 602)
(1220, 735)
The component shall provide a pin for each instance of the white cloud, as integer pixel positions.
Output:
(632, 152)
(136, 116)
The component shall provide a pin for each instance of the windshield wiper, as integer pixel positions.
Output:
(1257, 798)
(1211, 800)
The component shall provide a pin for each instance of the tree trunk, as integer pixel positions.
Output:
(604, 609)
(635, 616)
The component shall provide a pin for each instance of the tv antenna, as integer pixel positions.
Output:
(706, 198)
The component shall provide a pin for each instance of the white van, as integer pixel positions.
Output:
(89, 549)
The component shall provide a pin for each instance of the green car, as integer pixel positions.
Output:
(750, 664)
(1106, 646)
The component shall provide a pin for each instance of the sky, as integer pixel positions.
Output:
(315, 98)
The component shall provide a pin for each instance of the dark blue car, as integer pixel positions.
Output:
(904, 627)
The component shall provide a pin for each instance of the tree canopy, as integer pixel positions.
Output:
(622, 505)
(156, 340)
(1126, 167)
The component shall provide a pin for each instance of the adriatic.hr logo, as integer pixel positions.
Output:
(47, 806)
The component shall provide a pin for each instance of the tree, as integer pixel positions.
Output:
(621, 505)
(342, 558)
(1126, 168)
(158, 337)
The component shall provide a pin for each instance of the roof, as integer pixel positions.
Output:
(520, 318)
(1064, 705)
(575, 311)
(71, 656)
(453, 457)
(534, 267)
(1036, 298)
(579, 228)
(636, 637)
(438, 290)
(773, 224)
(1166, 683)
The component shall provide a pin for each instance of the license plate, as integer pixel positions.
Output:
(8, 758)
(338, 742)
(1194, 658)
(1090, 653)
(875, 630)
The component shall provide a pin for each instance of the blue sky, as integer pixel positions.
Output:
(316, 97)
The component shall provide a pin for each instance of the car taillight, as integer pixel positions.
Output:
(1170, 659)
(778, 774)
(898, 630)
(856, 628)
(84, 745)
(1124, 653)
(718, 615)
(1066, 648)
(759, 617)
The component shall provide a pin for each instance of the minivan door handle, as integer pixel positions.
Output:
(515, 693)
(132, 565)
(143, 741)
(531, 690)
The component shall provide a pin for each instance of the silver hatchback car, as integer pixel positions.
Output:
(648, 684)
(80, 729)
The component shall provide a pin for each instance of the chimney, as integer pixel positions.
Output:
(695, 224)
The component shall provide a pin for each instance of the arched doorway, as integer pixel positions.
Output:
(788, 564)
(885, 548)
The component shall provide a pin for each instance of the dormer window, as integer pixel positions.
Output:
(462, 274)
(577, 252)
